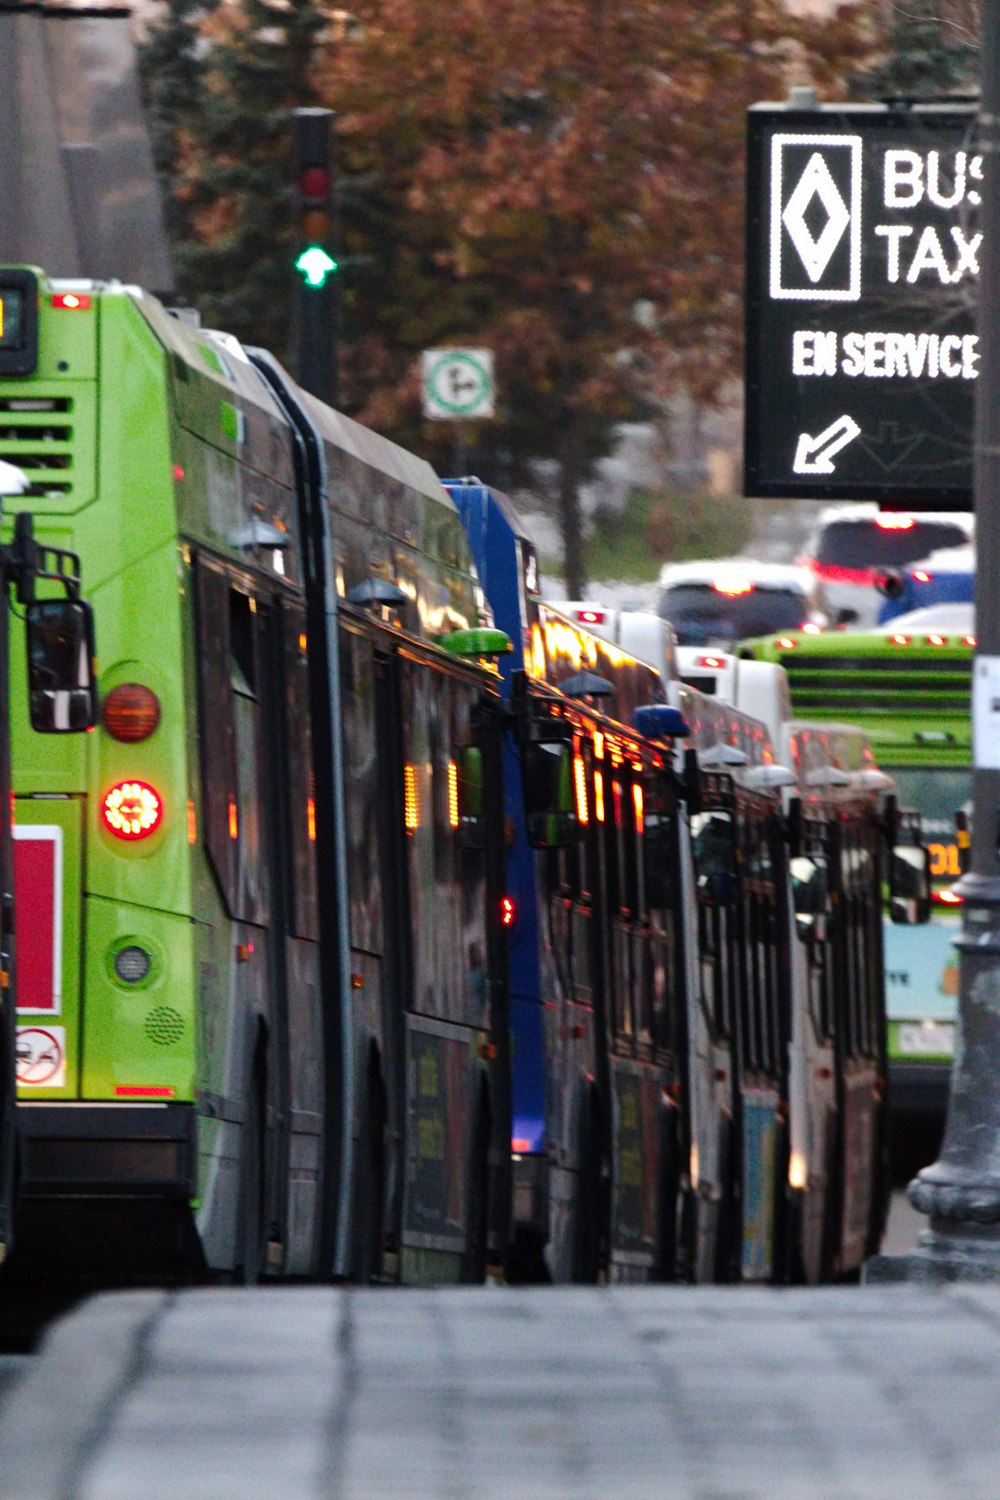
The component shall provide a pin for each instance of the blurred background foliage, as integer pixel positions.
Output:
(561, 183)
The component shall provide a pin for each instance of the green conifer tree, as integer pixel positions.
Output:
(930, 48)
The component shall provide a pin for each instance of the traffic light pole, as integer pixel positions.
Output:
(961, 1191)
(317, 293)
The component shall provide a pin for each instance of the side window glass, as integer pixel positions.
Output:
(249, 833)
(217, 729)
(231, 750)
(299, 778)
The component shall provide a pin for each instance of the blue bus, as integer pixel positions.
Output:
(648, 970)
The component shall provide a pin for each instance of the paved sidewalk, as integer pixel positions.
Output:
(502, 1394)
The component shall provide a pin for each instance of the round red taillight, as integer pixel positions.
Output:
(132, 810)
(507, 911)
(130, 712)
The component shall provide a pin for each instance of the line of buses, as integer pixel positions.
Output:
(392, 924)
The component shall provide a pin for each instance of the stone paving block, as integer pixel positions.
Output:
(577, 1394)
(229, 1468)
(55, 1408)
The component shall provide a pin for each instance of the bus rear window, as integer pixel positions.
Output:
(865, 544)
(699, 612)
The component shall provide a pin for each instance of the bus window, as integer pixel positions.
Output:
(364, 772)
(251, 883)
(231, 743)
(447, 885)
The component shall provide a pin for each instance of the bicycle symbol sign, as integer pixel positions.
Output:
(457, 383)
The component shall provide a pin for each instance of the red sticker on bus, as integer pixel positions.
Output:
(38, 892)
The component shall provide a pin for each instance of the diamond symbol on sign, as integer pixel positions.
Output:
(816, 182)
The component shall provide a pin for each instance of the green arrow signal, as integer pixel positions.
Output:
(315, 265)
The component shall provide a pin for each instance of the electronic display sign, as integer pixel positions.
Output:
(863, 253)
(18, 322)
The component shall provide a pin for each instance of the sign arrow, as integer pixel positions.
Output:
(814, 454)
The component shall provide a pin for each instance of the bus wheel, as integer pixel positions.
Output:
(727, 1241)
(593, 1202)
(690, 1224)
(667, 1265)
(369, 1202)
(478, 1228)
(251, 1251)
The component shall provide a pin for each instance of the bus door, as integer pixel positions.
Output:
(640, 1082)
(858, 937)
(586, 1073)
(378, 944)
(455, 1090)
(661, 994)
(568, 878)
(762, 1037)
(258, 828)
(813, 868)
(715, 1097)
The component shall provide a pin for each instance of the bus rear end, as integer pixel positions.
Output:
(909, 691)
(106, 1023)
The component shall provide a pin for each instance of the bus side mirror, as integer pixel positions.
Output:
(549, 805)
(909, 884)
(659, 849)
(62, 696)
(810, 896)
(470, 778)
(889, 583)
(713, 842)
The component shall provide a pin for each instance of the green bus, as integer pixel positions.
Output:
(263, 934)
(907, 685)
(60, 698)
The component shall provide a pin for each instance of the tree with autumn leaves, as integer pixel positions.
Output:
(560, 182)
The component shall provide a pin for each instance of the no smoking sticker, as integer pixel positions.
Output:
(41, 1056)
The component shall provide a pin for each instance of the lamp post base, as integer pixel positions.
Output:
(939, 1259)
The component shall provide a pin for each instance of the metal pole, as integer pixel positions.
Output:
(961, 1191)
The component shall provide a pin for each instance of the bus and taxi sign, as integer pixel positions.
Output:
(863, 254)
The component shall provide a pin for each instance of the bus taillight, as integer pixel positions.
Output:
(508, 911)
(71, 301)
(132, 810)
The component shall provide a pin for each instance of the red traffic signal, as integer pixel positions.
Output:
(314, 184)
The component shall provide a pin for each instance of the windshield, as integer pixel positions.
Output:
(865, 544)
(700, 613)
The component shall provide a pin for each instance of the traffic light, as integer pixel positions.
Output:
(314, 182)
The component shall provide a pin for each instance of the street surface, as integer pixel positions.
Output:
(503, 1394)
(903, 1229)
